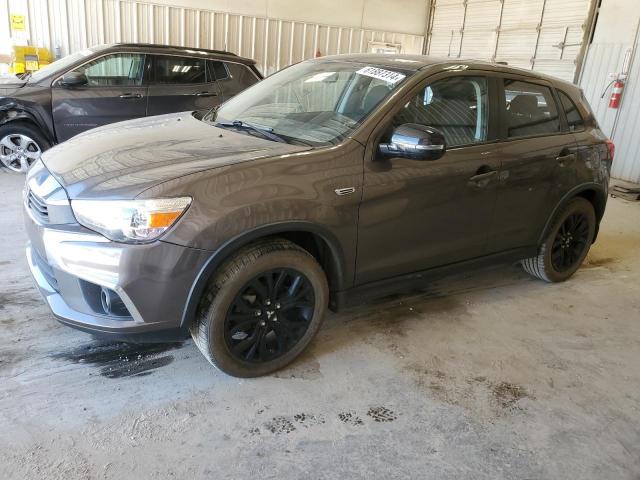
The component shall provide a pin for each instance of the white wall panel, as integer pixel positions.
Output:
(69, 25)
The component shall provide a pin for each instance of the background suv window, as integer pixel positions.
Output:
(531, 109)
(456, 106)
(232, 77)
(117, 70)
(574, 119)
(179, 70)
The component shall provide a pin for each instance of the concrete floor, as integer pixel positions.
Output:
(491, 375)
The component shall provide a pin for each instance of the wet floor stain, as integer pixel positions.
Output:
(283, 425)
(591, 262)
(350, 418)
(280, 425)
(308, 419)
(507, 394)
(382, 414)
(118, 360)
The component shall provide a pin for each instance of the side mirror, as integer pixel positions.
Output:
(74, 79)
(416, 142)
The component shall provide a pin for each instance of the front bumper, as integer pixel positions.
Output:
(71, 265)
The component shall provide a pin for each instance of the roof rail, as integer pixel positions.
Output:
(155, 45)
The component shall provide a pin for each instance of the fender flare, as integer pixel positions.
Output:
(229, 247)
(574, 192)
(20, 113)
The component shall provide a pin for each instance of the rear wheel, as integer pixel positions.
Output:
(20, 146)
(567, 244)
(262, 309)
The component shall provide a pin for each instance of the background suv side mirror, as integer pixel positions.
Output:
(74, 79)
(414, 141)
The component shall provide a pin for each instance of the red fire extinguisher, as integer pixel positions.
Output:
(616, 93)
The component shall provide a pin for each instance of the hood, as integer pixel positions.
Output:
(124, 159)
(9, 83)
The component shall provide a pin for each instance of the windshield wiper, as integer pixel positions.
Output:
(266, 132)
(213, 111)
(25, 76)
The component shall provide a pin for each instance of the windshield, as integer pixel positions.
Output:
(311, 103)
(61, 64)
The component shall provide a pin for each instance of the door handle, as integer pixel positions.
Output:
(565, 159)
(205, 94)
(482, 179)
(130, 95)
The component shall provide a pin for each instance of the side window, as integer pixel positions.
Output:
(232, 77)
(456, 106)
(178, 70)
(574, 119)
(117, 70)
(531, 109)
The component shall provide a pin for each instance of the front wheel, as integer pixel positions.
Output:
(567, 244)
(20, 146)
(262, 309)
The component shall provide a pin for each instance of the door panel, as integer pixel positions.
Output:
(535, 175)
(113, 93)
(421, 214)
(182, 98)
(232, 77)
(536, 170)
(179, 84)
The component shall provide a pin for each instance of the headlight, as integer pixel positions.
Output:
(131, 221)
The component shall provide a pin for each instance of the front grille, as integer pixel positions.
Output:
(38, 207)
(46, 270)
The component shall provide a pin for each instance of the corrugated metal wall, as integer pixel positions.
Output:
(70, 25)
(544, 35)
(603, 59)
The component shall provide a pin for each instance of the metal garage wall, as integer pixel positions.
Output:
(622, 125)
(545, 35)
(70, 25)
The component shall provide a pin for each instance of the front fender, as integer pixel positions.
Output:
(343, 272)
(12, 112)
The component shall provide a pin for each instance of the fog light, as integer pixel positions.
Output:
(112, 304)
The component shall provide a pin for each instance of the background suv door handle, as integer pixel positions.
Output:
(131, 95)
(482, 177)
(205, 94)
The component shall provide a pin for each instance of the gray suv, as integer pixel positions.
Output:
(111, 83)
(332, 181)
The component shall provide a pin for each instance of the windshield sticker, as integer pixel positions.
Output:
(382, 74)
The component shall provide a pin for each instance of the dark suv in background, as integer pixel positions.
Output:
(330, 181)
(111, 83)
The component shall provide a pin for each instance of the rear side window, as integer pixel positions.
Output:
(574, 119)
(232, 77)
(179, 70)
(530, 109)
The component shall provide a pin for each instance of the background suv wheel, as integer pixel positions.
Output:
(262, 309)
(567, 243)
(20, 146)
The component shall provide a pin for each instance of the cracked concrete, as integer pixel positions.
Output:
(488, 375)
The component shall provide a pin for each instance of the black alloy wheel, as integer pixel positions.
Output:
(269, 316)
(570, 242)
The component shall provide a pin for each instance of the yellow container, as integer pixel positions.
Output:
(29, 59)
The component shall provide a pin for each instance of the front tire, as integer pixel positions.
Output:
(261, 309)
(567, 243)
(21, 145)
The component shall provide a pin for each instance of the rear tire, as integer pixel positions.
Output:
(262, 309)
(567, 243)
(21, 144)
